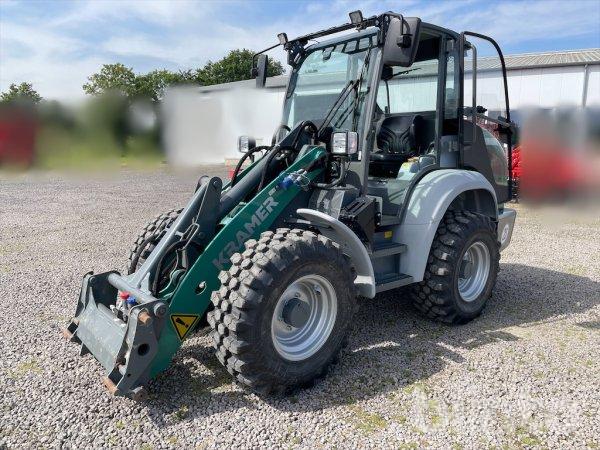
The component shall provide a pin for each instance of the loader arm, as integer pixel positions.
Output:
(135, 348)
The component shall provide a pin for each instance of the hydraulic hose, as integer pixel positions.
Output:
(292, 146)
(243, 159)
(270, 158)
(154, 285)
(338, 180)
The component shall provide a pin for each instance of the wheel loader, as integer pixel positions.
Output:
(390, 169)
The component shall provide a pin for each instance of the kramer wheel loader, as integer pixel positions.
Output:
(390, 168)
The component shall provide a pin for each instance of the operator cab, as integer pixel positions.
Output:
(406, 122)
(413, 95)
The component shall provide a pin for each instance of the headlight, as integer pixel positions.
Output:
(344, 143)
(246, 143)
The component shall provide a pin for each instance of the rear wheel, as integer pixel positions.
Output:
(283, 311)
(461, 269)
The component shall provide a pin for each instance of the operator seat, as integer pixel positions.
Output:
(399, 138)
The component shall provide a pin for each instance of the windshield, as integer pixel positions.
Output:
(325, 71)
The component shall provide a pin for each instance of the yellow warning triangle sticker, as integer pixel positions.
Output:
(183, 323)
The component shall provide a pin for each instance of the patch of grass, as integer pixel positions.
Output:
(433, 410)
(413, 354)
(349, 399)
(24, 368)
(198, 387)
(576, 270)
(525, 437)
(409, 446)
(366, 421)
(417, 387)
(181, 413)
(296, 440)
(400, 418)
(119, 425)
(172, 440)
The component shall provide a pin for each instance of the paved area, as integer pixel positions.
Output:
(524, 374)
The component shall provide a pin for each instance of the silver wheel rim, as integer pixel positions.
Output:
(474, 271)
(296, 343)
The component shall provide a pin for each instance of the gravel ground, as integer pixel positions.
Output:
(524, 374)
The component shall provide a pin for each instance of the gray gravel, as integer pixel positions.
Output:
(525, 374)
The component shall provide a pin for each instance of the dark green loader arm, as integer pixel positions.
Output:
(254, 218)
(137, 349)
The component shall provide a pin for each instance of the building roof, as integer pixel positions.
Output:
(513, 62)
(548, 59)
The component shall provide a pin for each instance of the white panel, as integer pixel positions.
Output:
(571, 89)
(531, 87)
(514, 88)
(550, 87)
(593, 90)
(203, 128)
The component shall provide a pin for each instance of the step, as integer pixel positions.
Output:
(386, 220)
(385, 282)
(387, 249)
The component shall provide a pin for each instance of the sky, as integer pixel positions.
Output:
(56, 45)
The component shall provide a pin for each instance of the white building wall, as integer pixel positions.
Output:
(203, 128)
(593, 90)
(546, 88)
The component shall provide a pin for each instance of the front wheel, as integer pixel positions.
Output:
(461, 269)
(283, 311)
(149, 237)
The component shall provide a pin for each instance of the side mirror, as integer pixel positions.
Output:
(401, 41)
(344, 143)
(246, 143)
(260, 71)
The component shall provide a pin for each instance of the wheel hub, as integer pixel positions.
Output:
(304, 317)
(295, 312)
(474, 271)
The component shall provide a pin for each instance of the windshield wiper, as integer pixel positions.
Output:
(350, 86)
(403, 72)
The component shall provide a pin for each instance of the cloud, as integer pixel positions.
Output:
(56, 45)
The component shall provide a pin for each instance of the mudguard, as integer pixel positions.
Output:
(427, 205)
(351, 245)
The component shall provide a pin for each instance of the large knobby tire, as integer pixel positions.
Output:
(149, 237)
(253, 310)
(457, 281)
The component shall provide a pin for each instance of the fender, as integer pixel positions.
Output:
(427, 205)
(351, 245)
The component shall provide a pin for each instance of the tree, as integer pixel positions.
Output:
(21, 92)
(153, 84)
(235, 66)
(119, 78)
(112, 77)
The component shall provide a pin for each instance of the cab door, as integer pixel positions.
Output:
(485, 130)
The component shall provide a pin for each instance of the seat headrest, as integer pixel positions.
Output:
(399, 134)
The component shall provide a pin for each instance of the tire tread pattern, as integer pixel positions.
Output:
(156, 226)
(433, 296)
(252, 275)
